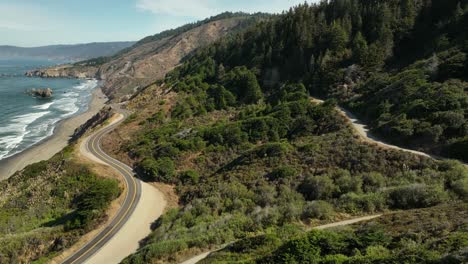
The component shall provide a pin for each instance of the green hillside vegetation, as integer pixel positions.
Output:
(401, 65)
(434, 235)
(246, 159)
(45, 208)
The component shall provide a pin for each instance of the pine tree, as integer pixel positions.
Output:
(408, 14)
(338, 38)
(359, 48)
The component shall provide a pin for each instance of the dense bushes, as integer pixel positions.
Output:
(434, 235)
(90, 204)
(158, 170)
(416, 196)
(47, 206)
(264, 157)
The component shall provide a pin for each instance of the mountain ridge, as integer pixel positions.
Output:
(152, 57)
(66, 52)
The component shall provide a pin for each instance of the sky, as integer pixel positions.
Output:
(30, 23)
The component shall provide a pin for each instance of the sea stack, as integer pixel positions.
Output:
(43, 93)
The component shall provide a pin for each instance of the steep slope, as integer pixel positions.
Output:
(75, 52)
(152, 57)
(234, 130)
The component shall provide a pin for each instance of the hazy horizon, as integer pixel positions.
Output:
(25, 23)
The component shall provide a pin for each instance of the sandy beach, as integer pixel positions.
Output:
(47, 148)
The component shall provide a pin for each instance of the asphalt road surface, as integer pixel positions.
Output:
(131, 199)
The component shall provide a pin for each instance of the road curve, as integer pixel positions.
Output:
(364, 132)
(132, 197)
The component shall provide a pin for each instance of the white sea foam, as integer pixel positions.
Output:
(12, 135)
(43, 106)
(23, 132)
(67, 105)
(89, 84)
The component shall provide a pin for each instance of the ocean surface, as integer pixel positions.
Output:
(26, 120)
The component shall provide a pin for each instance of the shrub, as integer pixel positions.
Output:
(460, 187)
(416, 196)
(282, 172)
(318, 209)
(347, 183)
(317, 187)
(157, 170)
(272, 150)
(165, 150)
(355, 203)
(189, 176)
(372, 181)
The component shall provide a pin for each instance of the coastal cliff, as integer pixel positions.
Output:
(65, 71)
(148, 60)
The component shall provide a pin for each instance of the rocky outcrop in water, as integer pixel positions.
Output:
(42, 93)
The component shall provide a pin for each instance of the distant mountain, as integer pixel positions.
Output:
(65, 52)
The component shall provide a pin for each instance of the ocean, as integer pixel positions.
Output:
(26, 120)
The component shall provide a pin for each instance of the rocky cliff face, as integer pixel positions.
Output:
(97, 119)
(65, 71)
(144, 64)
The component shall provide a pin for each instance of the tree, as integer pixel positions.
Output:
(338, 38)
(252, 92)
(408, 14)
(359, 48)
(243, 82)
(158, 170)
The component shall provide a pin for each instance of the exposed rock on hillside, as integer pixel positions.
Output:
(97, 119)
(146, 63)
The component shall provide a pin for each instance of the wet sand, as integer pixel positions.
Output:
(47, 148)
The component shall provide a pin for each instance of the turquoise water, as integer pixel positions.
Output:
(25, 120)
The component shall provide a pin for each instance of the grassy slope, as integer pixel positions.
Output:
(247, 160)
(230, 190)
(45, 208)
(431, 235)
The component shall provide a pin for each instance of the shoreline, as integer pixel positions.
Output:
(50, 146)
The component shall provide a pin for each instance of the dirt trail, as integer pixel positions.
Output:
(199, 257)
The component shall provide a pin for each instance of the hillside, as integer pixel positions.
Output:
(71, 53)
(48, 206)
(152, 57)
(432, 235)
(221, 112)
(234, 129)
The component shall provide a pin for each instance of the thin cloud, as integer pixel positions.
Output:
(206, 8)
(24, 18)
(188, 8)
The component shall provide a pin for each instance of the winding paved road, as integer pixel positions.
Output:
(132, 197)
